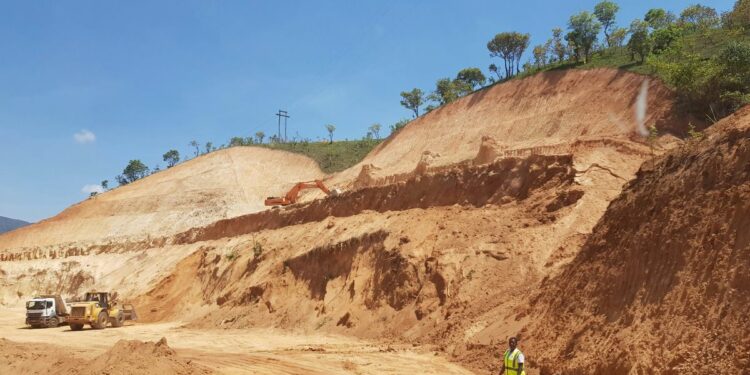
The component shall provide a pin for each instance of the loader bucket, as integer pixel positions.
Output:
(128, 312)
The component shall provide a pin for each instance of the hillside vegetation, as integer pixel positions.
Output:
(331, 156)
(709, 69)
(701, 53)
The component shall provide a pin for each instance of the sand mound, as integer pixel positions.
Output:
(16, 358)
(125, 358)
(219, 185)
(551, 108)
(136, 357)
(663, 283)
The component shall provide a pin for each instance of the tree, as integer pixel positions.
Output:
(445, 92)
(493, 69)
(412, 100)
(171, 157)
(572, 47)
(735, 76)
(209, 147)
(105, 184)
(662, 38)
(605, 12)
(395, 128)
(197, 149)
(236, 141)
(522, 42)
(540, 56)
(510, 47)
(375, 130)
(583, 31)
(699, 16)
(617, 38)
(135, 170)
(659, 18)
(739, 16)
(558, 47)
(472, 77)
(639, 43)
(259, 135)
(502, 46)
(330, 128)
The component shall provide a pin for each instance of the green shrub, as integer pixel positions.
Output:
(257, 249)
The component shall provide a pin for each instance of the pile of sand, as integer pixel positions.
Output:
(663, 283)
(136, 357)
(127, 357)
(17, 358)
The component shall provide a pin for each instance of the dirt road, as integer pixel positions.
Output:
(260, 351)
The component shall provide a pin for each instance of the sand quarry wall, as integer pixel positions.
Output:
(552, 108)
(552, 113)
(222, 184)
(663, 283)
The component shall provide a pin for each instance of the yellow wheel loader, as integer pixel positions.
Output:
(98, 309)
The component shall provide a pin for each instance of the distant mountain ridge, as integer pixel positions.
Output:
(7, 224)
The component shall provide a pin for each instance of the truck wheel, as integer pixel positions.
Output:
(101, 321)
(52, 323)
(117, 321)
(76, 326)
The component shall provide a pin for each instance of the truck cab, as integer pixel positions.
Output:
(45, 311)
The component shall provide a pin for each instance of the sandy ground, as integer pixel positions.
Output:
(261, 351)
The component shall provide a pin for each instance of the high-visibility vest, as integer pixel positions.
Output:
(510, 361)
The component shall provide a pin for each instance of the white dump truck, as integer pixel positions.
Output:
(46, 311)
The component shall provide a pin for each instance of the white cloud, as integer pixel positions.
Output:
(91, 188)
(84, 136)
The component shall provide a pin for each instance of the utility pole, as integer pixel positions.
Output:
(285, 115)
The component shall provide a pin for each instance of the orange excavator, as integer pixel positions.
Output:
(293, 194)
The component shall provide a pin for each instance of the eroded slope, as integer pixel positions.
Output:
(663, 283)
(548, 110)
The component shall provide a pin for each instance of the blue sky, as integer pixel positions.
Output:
(134, 79)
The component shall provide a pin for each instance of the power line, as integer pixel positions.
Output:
(285, 115)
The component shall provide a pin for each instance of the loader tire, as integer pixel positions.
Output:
(117, 321)
(101, 321)
(76, 326)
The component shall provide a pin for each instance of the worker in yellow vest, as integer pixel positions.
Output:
(513, 359)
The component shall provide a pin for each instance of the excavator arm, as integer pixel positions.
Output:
(293, 194)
